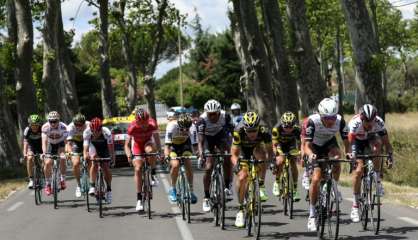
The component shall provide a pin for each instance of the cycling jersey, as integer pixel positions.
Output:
(142, 136)
(76, 134)
(34, 140)
(247, 145)
(357, 131)
(98, 144)
(54, 135)
(173, 135)
(320, 135)
(286, 141)
(207, 128)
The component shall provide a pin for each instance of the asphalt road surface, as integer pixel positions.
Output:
(20, 218)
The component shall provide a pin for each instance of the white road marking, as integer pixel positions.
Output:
(181, 224)
(409, 220)
(14, 206)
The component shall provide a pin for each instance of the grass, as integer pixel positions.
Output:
(10, 185)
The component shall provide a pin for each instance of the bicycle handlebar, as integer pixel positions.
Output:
(371, 156)
(330, 161)
(217, 155)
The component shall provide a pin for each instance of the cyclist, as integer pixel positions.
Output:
(236, 114)
(285, 141)
(75, 145)
(54, 134)
(146, 139)
(214, 127)
(178, 143)
(367, 131)
(252, 139)
(321, 142)
(98, 143)
(32, 144)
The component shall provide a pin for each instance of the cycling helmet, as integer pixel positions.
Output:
(141, 115)
(34, 119)
(235, 106)
(212, 106)
(96, 124)
(288, 119)
(251, 120)
(368, 112)
(79, 119)
(184, 121)
(328, 107)
(54, 115)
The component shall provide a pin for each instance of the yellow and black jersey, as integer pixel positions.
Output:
(280, 137)
(240, 137)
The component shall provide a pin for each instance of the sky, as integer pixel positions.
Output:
(213, 14)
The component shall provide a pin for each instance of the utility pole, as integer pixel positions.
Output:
(180, 62)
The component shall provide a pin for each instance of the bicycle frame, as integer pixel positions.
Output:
(38, 178)
(100, 190)
(183, 187)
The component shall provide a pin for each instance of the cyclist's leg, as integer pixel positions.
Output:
(186, 150)
(63, 165)
(260, 153)
(138, 164)
(51, 149)
(76, 148)
(175, 166)
(359, 147)
(376, 147)
(334, 152)
(225, 146)
(93, 166)
(242, 183)
(294, 159)
(107, 176)
(279, 165)
(315, 180)
(209, 146)
(29, 163)
(151, 147)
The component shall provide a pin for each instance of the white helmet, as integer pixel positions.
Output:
(212, 106)
(235, 106)
(368, 112)
(328, 107)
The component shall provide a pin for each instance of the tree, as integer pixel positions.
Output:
(259, 61)
(276, 35)
(368, 62)
(25, 89)
(312, 86)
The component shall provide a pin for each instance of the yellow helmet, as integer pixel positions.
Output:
(288, 119)
(251, 120)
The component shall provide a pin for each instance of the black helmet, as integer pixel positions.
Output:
(79, 118)
(184, 121)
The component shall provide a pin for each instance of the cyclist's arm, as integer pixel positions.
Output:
(25, 147)
(157, 140)
(127, 147)
(344, 136)
(86, 144)
(309, 136)
(386, 142)
(44, 142)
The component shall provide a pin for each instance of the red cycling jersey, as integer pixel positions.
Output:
(142, 135)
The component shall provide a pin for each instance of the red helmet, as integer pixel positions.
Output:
(96, 124)
(141, 115)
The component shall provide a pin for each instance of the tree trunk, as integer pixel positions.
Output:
(338, 68)
(312, 87)
(50, 76)
(127, 54)
(66, 70)
(149, 80)
(241, 47)
(25, 89)
(368, 62)
(287, 85)
(9, 148)
(108, 102)
(259, 62)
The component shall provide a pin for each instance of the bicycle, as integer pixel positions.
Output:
(253, 208)
(369, 201)
(84, 178)
(217, 189)
(100, 189)
(55, 176)
(146, 188)
(38, 178)
(286, 186)
(328, 204)
(183, 188)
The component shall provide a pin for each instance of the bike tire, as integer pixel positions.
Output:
(374, 206)
(214, 190)
(257, 209)
(333, 212)
(221, 199)
(364, 203)
(187, 197)
(55, 187)
(284, 194)
(249, 210)
(321, 213)
(148, 192)
(36, 184)
(84, 187)
(182, 195)
(100, 193)
(290, 193)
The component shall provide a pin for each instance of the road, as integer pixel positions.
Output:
(20, 218)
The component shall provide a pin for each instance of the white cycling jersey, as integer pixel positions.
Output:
(54, 135)
(76, 134)
(318, 134)
(207, 128)
(173, 135)
(356, 128)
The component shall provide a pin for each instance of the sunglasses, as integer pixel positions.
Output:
(251, 130)
(79, 125)
(53, 121)
(184, 129)
(212, 114)
(287, 126)
(329, 118)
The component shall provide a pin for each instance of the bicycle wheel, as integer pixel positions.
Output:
(285, 192)
(214, 197)
(374, 199)
(257, 211)
(321, 211)
(147, 191)
(36, 184)
(85, 186)
(333, 212)
(290, 193)
(364, 202)
(55, 186)
(221, 199)
(100, 192)
(249, 199)
(187, 197)
(180, 200)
